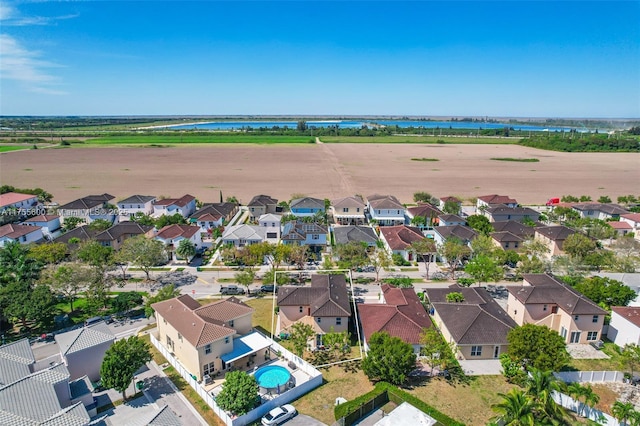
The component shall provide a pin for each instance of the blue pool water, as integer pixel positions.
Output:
(272, 376)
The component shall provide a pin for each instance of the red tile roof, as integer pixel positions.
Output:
(400, 237)
(14, 197)
(14, 231)
(43, 218)
(620, 225)
(635, 217)
(497, 199)
(630, 313)
(180, 202)
(174, 231)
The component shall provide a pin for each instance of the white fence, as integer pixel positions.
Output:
(590, 376)
(591, 413)
(255, 414)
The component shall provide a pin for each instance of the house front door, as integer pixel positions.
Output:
(496, 351)
(575, 337)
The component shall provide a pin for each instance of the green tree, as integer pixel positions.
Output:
(300, 335)
(537, 346)
(380, 260)
(512, 370)
(100, 258)
(143, 219)
(239, 393)
(515, 409)
(389, 359)
(121, 361)
(483, 245)
(454, 251)
(540, 386)
(434, 349)
(165, 293)
(426, 249)
(126, 300)
(164, 220)
(484, 269)
(578, 246)
(299, 255)
(72, 222)
(455, 297)
(631, 357)
(622, 411)
(68, 279)
(142, 252)
(100, 225)
(425, 197)
(48, 253)
(352, 255)
(337, 343)
(245, 277)
(606, 292)
(186, 249)
(480, 224)
(451, 207)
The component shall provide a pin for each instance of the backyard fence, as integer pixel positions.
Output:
(584, 410)
(590, 376)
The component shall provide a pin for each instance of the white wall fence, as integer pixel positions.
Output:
(257, 413)
(590, 376)
(584, 410)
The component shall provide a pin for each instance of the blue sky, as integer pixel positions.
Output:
(512, 58)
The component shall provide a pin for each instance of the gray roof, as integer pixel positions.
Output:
(516, 228)
(612, 209)
(346, 234)
(15, 361)
(83, 338)
(165, 417)
(82, 233)
(501, 209)
(353, 201)
(327, 296)
(88, 202)
(137, 199)
(378, 201)
(307, 202)
(244, 232)
(262, 200)
(461, 232)
(297, 231)
(81, 386)
(555, 232)
(123, 228)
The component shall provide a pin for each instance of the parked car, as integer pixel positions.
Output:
(268, 288)
(279, 415)
(231, 289)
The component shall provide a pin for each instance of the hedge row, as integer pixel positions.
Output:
(397, 396)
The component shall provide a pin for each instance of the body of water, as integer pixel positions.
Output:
(346, 124)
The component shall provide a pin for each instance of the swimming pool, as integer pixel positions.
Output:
(272, 377)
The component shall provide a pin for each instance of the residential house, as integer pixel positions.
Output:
(271, 224)
(544, 300)
(213, 215)
(89, 208)
(324, 306)
(509, 234)
(487, 201)
(502, 212)
(506, 240)
(463, 233)
(553, 237)
(171, 235)
(632, 219)
(23, 204)
(624, 327)
(44, 397)
(312, 235)
(621, 228)
(210, 339)
(117, 234)
(424, 216)
(128, 207)
(444, 200)
(307, 206)
(398, 239)
(81, 233)
(451, 220)
(477, 325)
(48, 223)
(349, 211)
(261, 204)
(24, 234)
(355, 233)
(243, 235)
(83, 349)
(399, 313)
(185, 206)
(385, 210)
(602, 211)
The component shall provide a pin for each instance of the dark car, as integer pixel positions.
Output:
(268, 288)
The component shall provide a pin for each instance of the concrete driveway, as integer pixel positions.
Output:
(303, 420)
(481, 367)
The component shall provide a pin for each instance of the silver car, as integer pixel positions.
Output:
(279, 415)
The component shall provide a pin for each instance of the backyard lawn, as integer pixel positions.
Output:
(263, 312)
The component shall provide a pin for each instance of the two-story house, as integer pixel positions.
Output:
(602, 211)
(544, 300)
(185, 206)
(209, 339)
(502, 212)
(486, 201)
(117, 234)
(385, 210)
(450, 200)
(22, 204)
(261, 204)
(271, 224)
(312, 235)
(213, 215)
(89, 208)
(128, 207)
(632, 219)
(451, 220)
(398, 239)
(324, 306)
(462, 233)
(510, 235)
(348, 211)
(24, 234)
(171, 235)
(243, 235)
(307, 206)
(355, 233)
(50, 224)
(424, 216)
(553, 237)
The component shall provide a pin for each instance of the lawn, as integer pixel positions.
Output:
(214, 138)
(13, 148)
(420, 139)
(263, 312)
(614, 363)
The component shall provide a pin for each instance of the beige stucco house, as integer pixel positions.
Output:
(544, 300)
(553, 237)
(209, 339)
(348, 211)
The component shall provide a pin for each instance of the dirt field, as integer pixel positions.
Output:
(320, 170)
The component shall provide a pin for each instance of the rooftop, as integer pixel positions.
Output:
(175, 231)
(327, 296)
(14, 231)
(84, 338)
(400, 237)
(630, 313)
(10, 198)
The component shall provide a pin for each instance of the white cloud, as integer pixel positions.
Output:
(25, 66)
(11, 17)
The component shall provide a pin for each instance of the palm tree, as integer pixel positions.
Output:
(622, 411)
(186, 249)
(577, 391)
(540, 386)
(515, 409)
(590, 397)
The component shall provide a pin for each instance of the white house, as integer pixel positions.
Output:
(171, 235)
(21, 202)
(135, 204)
(602, 211)
(445, 200)
(625, 325)
(271, 224)
(386, 210)
(398, 239)
(487, 201)
(243, 235)
(50, 224)
(632, 219)
(89, 208)
(24, 234)
(185, 206)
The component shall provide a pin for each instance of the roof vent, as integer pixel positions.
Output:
(193, 324)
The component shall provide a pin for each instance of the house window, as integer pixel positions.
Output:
(594, 319)
(231, 323)
(318, 320)
(506, 245)
(180, 337)
(544, 307)
(164, 320)
(300, 309)
(476, 350)
(169, 342)
(345, 209)
(315, 237)
(563, 332)
(576, 317)
(226, 340)
(358, 209)
(208, 369)
(515, 245)
(592, 335)
(207, 349)
(338, 321)
(398, 212)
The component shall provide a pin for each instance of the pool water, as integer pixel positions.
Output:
(272, 376)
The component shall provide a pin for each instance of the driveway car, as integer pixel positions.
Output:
(268, 288)
(279, 415)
